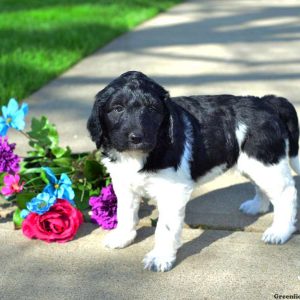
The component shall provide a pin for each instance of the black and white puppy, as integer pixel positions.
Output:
(163, 147)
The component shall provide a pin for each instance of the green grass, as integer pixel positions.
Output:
(41, 39)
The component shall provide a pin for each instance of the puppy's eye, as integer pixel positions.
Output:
(118, 108)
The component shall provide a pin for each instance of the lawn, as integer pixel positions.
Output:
(41, 39)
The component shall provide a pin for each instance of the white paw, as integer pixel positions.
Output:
(158, 263)
(119, 239)
(253, 207)
(275, 235)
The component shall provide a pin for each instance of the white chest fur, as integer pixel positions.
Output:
(125, 173)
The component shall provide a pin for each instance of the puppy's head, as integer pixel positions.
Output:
(128, 113)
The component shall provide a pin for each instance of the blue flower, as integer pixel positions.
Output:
(24, 213)
(13, 116)
(40, 204)
(61, 188)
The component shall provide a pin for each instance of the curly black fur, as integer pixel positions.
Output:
(135, 113)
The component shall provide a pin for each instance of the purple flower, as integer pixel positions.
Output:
(104, 208)
(9, 162)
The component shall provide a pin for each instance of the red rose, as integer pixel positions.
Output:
(59, 224)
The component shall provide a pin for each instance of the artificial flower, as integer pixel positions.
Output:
(39, 204)
(104, 208)
(24, 213)
(9, 162)
(59, 224)
(13, 116)
(12, 185)
(61, 188)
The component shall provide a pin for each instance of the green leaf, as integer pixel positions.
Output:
(44, 140)
(38, 152)
(58, 170)
(95, 192)
(37, 125)
(107, 181)
(58, 151)
(68, 152)
(44, 177)
(92, 170)
(81, 199)
(17, 219)
(32, 170)
(23, 198)
(53, 135)
(63, 162)
(43, 134)
(2, 177)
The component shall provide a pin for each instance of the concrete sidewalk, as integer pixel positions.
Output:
(198, 47)
(211, 265)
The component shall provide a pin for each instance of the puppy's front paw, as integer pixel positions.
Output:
(158, 262)
(275, 235)
(119, 239)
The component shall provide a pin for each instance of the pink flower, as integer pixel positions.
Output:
(12, 185)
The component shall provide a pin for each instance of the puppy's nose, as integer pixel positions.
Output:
(135, 138)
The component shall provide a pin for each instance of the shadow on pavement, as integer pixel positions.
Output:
(218, 212)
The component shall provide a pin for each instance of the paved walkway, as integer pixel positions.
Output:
(198, 47)
(211, 265)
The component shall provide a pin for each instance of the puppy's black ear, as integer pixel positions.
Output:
(94, 124)
(166, 96)
(172, 119)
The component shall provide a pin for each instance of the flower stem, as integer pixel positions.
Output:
(83, 191)
(32, 180)
(25, 134)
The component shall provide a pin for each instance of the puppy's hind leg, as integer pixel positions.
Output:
(284, 220)
(276, 181)
(259, 204)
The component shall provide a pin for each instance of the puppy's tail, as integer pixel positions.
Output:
(288, 115)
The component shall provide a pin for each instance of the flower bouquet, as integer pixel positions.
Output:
(51, 186)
